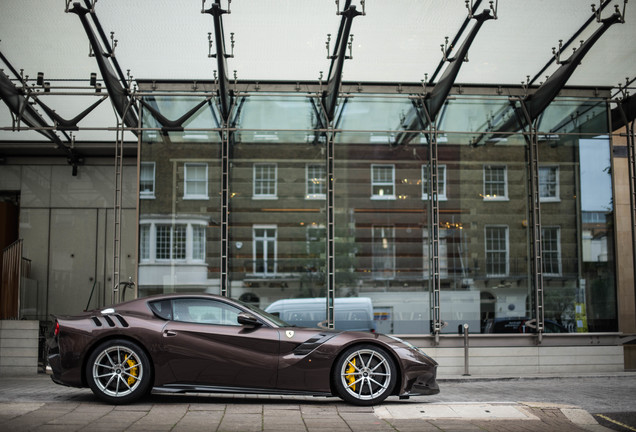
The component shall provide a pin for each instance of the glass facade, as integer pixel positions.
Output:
(463, 247)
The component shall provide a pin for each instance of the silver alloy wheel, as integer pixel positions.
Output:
(366, 374)
(118, 371)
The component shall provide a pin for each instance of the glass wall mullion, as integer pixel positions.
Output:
(434, 251)
(225, 212)
(331, 248)
(536, 257)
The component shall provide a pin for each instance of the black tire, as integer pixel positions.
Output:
(364, 375)
(119, 372)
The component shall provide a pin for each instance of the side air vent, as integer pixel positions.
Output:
(114, 320)
(121, 320)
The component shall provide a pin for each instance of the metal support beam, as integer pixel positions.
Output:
(436, 99)
(23, 111)
(534, 202)
(225, 213)
(571, 40)
(334, 79)
(331, 233)
(173, 125)
(20, 107)
(624, 113)
(433, 221)
(63, 124)
(224, 93)
(117, 294)
(119, 95)
(537, 102)
(447, 54)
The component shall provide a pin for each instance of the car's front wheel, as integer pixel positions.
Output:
(118, 372)
(364, 375)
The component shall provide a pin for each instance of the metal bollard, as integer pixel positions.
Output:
(466, 349)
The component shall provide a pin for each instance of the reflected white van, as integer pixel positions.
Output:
(350, 313)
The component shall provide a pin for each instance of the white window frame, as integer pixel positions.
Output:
(557, 195)
(319, 182)
(172, 242)
(375, 183)
(198, 242)
(255, 181)
(265, 241)
(382, 273)
(145, 241)
(147, 194)
(441, 186)
(487, 196)
(557, 229)
(506, 251)
(186, 181)
(148, 235)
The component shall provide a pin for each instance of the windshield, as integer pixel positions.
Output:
(273, 318)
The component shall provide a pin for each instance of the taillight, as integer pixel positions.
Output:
(56, 332)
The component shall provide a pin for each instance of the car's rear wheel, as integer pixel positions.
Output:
(364, 375)
(118, 372)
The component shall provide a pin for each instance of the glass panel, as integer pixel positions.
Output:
(271, 119)
(484, 236)
(277, 228)
(572, 116)
(180, 238)
(383, 242)
(379, 242)
(199, 126)
(372, 119)
(579, 283)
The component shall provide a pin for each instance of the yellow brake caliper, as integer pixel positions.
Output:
(134, 371)
(351, 378)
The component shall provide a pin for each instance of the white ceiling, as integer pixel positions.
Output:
(396, 41)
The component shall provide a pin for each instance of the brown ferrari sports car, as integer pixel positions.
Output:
(205, 343)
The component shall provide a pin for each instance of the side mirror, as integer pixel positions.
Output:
(248, 320)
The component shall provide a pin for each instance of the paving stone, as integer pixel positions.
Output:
(28, 404)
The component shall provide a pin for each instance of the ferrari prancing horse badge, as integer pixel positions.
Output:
(290, 333)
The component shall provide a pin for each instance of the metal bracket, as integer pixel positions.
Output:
(624, 90)
(91, 9)
(597, 11)
(210, 43)
(217, 2)
(347, 3)
(349, 46)
(494, 5)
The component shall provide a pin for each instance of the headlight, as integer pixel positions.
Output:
(408, 344)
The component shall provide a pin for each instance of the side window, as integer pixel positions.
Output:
(205, 311)
(162, 308)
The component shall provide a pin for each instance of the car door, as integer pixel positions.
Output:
(204, 344)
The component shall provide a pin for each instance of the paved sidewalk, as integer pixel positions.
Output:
(36, 404)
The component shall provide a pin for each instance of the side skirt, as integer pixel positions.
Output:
(193, 388)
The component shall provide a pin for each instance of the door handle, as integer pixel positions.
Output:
(168, 333)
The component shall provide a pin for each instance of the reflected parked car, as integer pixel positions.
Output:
(350, 313)
(181, 343)
(521, 325)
